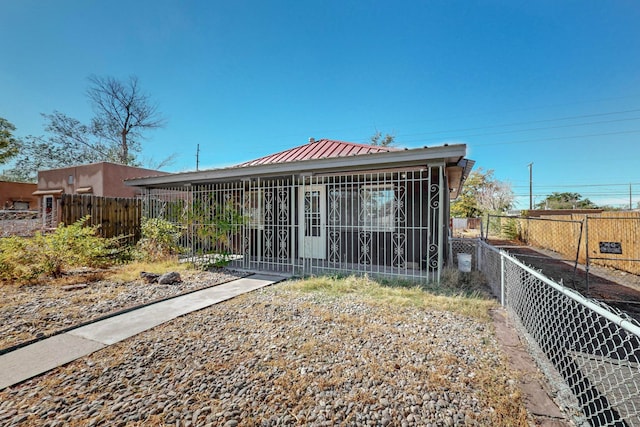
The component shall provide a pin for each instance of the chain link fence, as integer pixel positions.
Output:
(561, 237)
(590, 352)
(600, 248)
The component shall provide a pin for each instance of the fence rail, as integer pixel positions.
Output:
(589, 351)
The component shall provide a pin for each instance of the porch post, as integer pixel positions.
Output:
(293, 232)
(441, 225)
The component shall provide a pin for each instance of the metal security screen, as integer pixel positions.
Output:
(312, 213)
(387, 223)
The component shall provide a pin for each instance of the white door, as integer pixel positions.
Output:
(49, 212)
(313, 221)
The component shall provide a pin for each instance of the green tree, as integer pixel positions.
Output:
(565, 201)
(9, 145)
(122, 115)
(380, 140)
(482, 194)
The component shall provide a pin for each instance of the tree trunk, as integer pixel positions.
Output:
(125, 149)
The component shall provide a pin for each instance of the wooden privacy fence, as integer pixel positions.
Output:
(610, 239)
(116, 217)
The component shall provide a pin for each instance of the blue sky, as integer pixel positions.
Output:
(553, 83)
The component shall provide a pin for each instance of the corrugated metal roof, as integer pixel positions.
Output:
(320, 149)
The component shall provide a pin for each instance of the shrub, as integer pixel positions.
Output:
(511, 229)
(27, 258)
(160, 239)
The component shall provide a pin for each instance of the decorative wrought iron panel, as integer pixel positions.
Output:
(387, 223)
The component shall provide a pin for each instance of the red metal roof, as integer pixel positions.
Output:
(320, 149)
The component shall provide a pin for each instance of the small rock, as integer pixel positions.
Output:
(74, 287)
(169, 278)
(149, 277)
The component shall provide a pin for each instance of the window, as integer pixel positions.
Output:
(343, 207)
(377, 208)
(253, 209)
(369, 207)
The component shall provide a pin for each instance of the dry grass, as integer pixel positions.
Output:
(496, 382)
(466, 299)
(131, 272)
(336, 335)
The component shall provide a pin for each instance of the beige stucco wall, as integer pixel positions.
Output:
(105, 179)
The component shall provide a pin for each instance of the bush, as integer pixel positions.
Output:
(25, 259)
(511, 229)
(160, 239)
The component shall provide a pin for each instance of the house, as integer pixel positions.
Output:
(99, 179)
(18, 196)
(325, 206)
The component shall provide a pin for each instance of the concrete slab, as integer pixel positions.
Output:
(42, 356)
(118, 328)
(538, 402)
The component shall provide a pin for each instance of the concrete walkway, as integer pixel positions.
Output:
(42, 356)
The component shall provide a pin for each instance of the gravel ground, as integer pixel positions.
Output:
(36, 311)
(280, 356)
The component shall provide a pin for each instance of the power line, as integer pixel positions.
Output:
(559, 138)
(625, 184)
(545, 107)
(545, 128)
(536, 121)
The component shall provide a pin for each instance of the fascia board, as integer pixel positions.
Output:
(412, 157)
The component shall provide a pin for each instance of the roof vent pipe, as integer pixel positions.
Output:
(312, 140)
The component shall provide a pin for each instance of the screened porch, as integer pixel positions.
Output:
(383, 222)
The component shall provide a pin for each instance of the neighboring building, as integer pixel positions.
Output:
(18, 196)
(99, 179)
(325, 206)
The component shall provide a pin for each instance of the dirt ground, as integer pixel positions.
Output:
(615, 288)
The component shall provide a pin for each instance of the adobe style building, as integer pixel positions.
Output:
(18, 196)
(99, 179)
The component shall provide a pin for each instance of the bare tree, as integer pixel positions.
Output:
(123, 112)
(122, 115)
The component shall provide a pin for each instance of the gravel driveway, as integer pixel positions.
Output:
(285, 356)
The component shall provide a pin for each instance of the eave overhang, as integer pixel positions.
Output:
(457, 175)
(417, 157)
(48, 192)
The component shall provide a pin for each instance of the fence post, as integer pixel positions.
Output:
(502, 278)
(586, 248)
(575, 264)
(486, 233)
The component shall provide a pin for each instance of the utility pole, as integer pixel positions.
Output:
(531, 186)
(630, 198)
(197, 157)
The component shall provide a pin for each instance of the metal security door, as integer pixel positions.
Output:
(313, 221)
